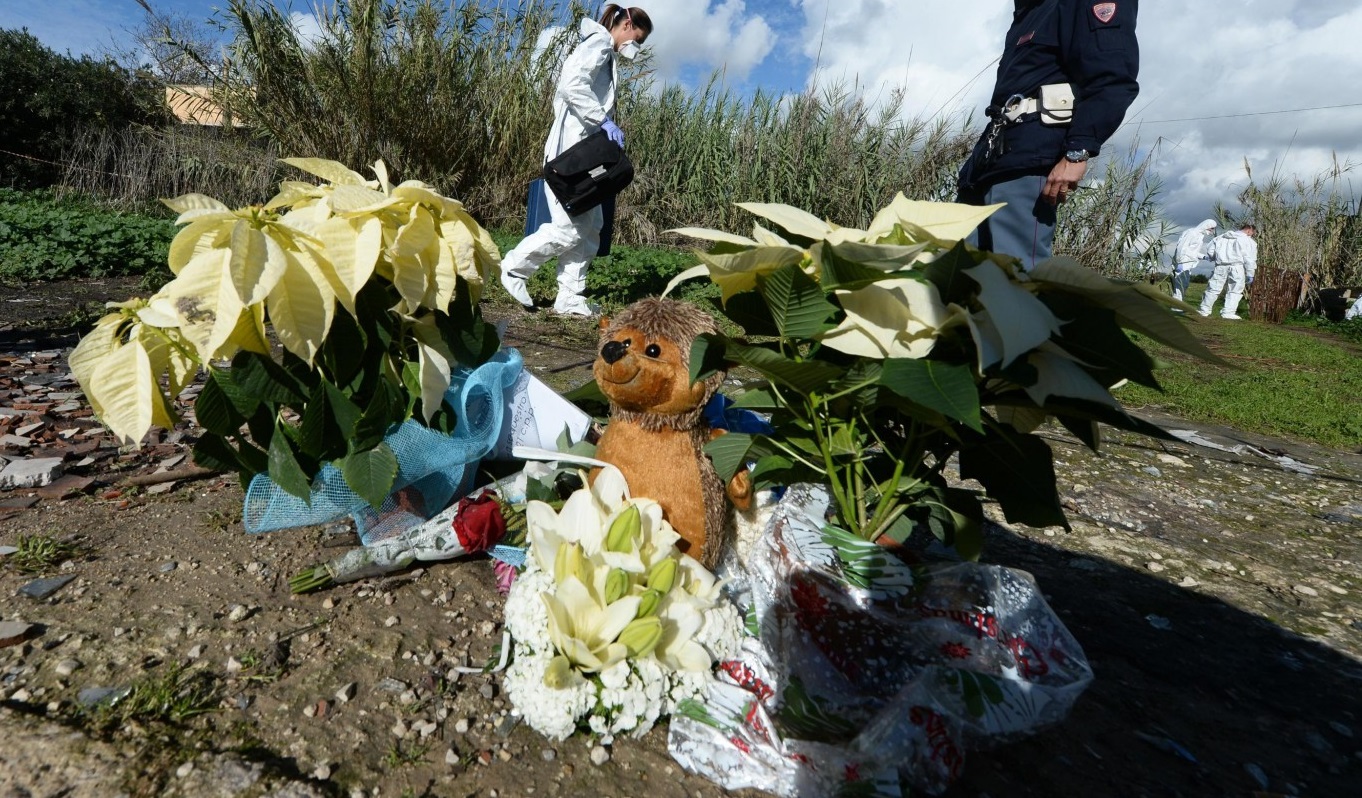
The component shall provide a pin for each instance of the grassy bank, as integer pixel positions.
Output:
(1295, 380)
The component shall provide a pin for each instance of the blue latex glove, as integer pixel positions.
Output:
(613, 131)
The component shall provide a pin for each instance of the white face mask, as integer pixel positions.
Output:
(629, 50)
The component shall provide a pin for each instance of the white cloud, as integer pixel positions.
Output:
(705, 35)
(307, 27)
(1197, 60)
(941, 56)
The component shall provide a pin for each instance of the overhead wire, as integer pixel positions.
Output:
(1236, 116)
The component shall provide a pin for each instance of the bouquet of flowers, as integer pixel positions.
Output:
(883, 356)
(887, 352)
(613, 626)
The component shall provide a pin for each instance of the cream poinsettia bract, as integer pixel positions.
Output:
(285, 266)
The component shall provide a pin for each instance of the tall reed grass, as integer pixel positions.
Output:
(459, 95)
(1115, 224)
(451, 93)
(131, 168)
(1309, 237)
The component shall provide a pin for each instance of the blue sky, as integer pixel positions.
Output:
(1263, 82)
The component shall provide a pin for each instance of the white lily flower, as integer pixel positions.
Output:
(889, 318)
(584, 629)
(679, 649)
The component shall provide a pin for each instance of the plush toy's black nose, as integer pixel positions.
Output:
(614, 350)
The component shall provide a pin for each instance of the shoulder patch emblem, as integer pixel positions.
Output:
(1104, 12)
(1026, 38)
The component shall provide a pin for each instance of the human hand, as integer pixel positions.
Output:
(613, 131)
(1062, 180)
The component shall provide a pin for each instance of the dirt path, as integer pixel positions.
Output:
(1216, 594)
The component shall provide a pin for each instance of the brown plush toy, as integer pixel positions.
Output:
(656, 432)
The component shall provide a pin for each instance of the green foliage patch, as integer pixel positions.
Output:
(1288, 381)
(626, 274)
(46, 238)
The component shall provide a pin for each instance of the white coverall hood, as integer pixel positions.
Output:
(1191, 243)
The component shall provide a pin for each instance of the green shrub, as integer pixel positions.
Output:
(626, 274)
(45, 97)
(45, 238)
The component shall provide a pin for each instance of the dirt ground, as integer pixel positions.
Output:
(1215, 592)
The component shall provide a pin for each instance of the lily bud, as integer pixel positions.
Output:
(648, 603)
(616, 585)
(627, 526)
(560, 673)
(662, 575)
(568, 561)
(641, 636)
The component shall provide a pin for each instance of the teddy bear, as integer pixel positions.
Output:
(657, 433)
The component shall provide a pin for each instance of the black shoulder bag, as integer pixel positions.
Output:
(587, 173)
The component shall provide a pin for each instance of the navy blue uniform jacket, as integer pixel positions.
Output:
(1086, 43)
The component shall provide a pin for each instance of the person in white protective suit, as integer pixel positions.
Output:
(1191, 248)
(582, 101)
(1236, 260)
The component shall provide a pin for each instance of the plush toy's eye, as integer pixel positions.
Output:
(653, 350)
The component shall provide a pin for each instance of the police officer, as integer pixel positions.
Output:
(1066, 77)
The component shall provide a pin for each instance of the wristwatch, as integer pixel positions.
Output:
(1077, 156)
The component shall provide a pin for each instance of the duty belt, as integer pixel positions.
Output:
(1012, 111)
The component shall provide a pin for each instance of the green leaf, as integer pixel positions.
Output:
(707, 356)
(213, 451)
(339, 351)
(411, 380)
(944, 387)
(804, 377)
(947, 274)
(729, 453)
(590, 398)
(757, 397)
(1019, 472)
(284, 469)
(470, 339)
(1093, 336)
(749, 311)
(383, 410)
(225, 379)
(1138, 307)
(371, 473)
(1062, 407)
(257, 375)
(214, 410)
(839, 272)
(328, 423)
(253, 459)
(773, 469)
(797, 303)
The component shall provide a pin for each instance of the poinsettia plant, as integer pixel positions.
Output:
(371, 290)
(884, 353)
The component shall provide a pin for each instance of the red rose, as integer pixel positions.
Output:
(479, 523)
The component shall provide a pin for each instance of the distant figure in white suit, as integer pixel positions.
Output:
(1191, 248)
(1236, 259)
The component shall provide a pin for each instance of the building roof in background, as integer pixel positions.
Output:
(194, 105)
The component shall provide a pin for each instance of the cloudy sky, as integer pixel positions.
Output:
(1270, 82)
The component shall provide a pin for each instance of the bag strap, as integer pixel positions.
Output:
(561, 124)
